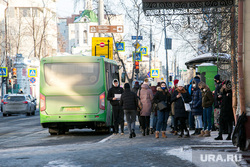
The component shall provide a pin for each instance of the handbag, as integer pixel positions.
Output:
(162, 105)
(139, 103)
(186, 105)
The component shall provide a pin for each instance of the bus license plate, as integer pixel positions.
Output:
(72, 109)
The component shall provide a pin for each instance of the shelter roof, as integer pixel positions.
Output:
(208, 58)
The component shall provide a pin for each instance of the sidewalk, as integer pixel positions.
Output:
(213, 152)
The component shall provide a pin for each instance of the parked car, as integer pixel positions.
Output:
(33, 100)
(4, 98)
(18, 104)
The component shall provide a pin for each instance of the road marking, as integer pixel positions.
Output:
(105, 139)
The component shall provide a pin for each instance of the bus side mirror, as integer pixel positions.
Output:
(123, 77)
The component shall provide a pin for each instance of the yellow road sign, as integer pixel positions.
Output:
(155, 73)
(32, 72)
(104, 51)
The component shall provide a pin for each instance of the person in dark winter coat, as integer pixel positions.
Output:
(226, 113)
(196, 105)
(191, 119)
(114, 94)
(217, 99)
(174, 123)
(162, 95)
(128, 101)
(207, 103)
(153, 116)
(180, 96)
(146, 96)
(136, 87)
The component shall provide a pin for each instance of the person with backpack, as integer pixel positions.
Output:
(129, 103)
(162, 97)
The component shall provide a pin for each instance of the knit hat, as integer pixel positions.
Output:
(181, 83)
(176, 81)
(126, 86)
(136, 83)
(217, 77)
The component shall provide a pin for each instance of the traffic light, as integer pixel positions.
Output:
(14, 73)
(9, 81)
(170, 78)
(137, 67)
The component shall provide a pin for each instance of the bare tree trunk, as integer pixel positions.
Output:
(233, 64)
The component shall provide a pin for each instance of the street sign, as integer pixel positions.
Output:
(155, 73)
(144, 50)
(168, 43)
(136, 45)
(120, 46)
(32, 72)
(148, 74)
(138, 56)
(102, 44)
(106, 50)
(3, 72)
(32, 80)
(106, 29)
(139, 38)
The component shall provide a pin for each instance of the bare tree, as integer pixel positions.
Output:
(135, 14)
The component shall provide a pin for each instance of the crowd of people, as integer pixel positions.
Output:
(154, 103)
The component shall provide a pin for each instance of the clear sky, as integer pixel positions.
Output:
(65, 7)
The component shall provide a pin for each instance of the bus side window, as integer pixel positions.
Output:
(108, 75)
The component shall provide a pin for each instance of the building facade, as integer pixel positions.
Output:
(31, 28)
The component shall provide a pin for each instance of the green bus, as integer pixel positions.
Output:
(73, 91)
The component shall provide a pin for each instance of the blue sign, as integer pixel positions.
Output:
(155, 73)
(32, 80)
(148, 74)
(3, 72)
(139, 38)
(120, 46)
(144, 50)
(138, 56)
(32, 72)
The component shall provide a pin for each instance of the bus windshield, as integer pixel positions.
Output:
(71, 74)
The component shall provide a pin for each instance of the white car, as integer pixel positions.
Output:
(18, 104)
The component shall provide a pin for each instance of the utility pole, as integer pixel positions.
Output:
(165, 32)
(6, 44)
(151, 46)
(100, 15)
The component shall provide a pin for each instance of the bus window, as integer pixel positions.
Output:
(71, 74)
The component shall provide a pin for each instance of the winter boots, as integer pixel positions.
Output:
(229, 136)
(195, 132)
(182, 133)
(187, 135)
(219, 137)
(163, 134)
(175, 133)
(202, 133)
(207, 133)
(133, 133)
(147, 131)
(157, 134)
